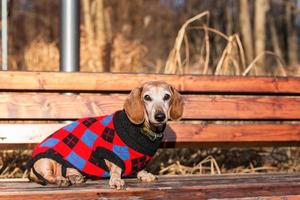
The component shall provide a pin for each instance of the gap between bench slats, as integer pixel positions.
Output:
(176, 134)
(59, 81)
(214, 107)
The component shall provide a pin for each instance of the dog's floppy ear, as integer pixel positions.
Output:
(177, 103)
(134, 107)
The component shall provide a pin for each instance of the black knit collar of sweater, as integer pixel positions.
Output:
(131, 134)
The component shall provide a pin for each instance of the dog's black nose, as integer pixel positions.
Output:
(160, 117)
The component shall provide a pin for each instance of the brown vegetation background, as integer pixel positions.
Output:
(138, 36)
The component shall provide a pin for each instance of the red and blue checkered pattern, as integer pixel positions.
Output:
(77, 144)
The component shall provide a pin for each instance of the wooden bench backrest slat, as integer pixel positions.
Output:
(59, 106)
(59, 81)
(177, 134)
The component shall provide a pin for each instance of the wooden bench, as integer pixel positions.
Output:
(219, 111)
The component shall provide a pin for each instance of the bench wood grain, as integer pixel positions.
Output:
(258, 186)
(213, 107)
(176, 134)
(67, 81)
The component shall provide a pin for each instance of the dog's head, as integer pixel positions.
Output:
(154, 103)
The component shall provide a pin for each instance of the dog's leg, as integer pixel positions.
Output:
(47, 168)
(115, 180)
(75, 176)
(145, 176)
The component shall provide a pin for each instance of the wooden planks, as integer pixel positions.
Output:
(209, 99)
(60, 81)
(215, 107)
(260, 186)
(176, 134)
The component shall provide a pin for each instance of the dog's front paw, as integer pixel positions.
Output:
(76, 179)
(146, 176)
(117, 183)
(62, 182)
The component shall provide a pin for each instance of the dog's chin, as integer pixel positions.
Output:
(157, 127)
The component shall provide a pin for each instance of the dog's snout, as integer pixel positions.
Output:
(160, 116)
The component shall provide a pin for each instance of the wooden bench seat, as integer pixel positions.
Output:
(219, 111)
(254, 186)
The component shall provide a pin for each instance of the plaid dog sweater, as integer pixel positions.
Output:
(85, 143)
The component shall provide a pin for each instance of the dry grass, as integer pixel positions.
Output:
(231, 61)
(126, 55)
(174, 62)
(42, 55)
(224, 161)
(278, 59)
(13, 163)
(190, 161)
(200, 168)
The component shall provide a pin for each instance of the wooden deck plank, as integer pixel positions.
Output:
(177, 134)
(285, 197)
(218, 107)
(190, 186)
(60, 81)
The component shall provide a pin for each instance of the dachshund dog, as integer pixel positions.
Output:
(114, 146)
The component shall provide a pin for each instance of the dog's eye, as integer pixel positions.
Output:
(147, 98)
(166, 97)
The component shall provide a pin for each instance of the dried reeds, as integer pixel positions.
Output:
(41, 55)
(209, 164)
(227, 161)
(174, 62)
(12, 163)
(279, 60)
(190, 161)
(232, 60)
(127, 55)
